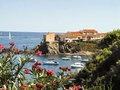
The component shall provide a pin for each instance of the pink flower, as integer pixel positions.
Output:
(39, 53)
(50, 72)
(27, 71)
(77, 87)
(12, 43)
(1, 46)
(3, 88)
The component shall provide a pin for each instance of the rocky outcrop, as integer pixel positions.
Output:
(73, 48)
(53, 48)
(48, 47)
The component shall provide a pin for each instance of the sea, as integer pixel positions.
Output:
(32, 39)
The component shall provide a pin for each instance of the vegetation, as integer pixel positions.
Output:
(73, 47)
(14, 75)
(102, 72)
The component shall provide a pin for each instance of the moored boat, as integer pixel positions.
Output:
(77, 65)
(78, 57)
(51, 63)
(85, 60)
(66, 58)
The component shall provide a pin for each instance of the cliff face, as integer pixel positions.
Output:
(48, 48)
(72, 47)
(53, 48)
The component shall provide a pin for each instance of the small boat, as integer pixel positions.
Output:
(33, 60)
(77, 65)
(85, 60)
(66, 58)
(77, 57)
(51, 63)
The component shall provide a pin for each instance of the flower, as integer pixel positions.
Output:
(8, 55)
(39, 85)
(16, 50)
(12, 43)
(39, 53)
(39, 69)
(50, 72)
(36, 64)
(1, 46)
(77, 87)
(24, 86)
(65, 68)
(27, 71)
(3, 88)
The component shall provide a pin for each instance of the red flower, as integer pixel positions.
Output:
(1, 46)
(39, 53)
(69, 69)
(50, 72)
(65, 68)
(27, 71)
(77, 87)
(39, 85)
(16, 50)
(12, 43)
(3, 88)
(24, 86)
(8, 55)
(60, 68)
(39, 69)
(36, 64)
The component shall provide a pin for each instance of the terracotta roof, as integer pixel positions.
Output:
(79, 35)
(49, 33)
(89, 30)
(73, 32)
(102, 33)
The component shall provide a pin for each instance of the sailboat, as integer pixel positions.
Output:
(10, 37)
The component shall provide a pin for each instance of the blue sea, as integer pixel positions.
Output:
(32, 39)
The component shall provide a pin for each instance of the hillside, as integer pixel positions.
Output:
(102, 72)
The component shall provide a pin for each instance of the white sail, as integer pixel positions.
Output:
(10, 37)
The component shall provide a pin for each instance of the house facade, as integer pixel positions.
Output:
(84, 35)
(49, 37)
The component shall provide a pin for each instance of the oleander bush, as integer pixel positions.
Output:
(14, 75)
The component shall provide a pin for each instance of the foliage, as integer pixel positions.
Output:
(110, 38)
(73, 47)
(14, 75)
(102, 72)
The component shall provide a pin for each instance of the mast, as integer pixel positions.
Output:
(10, 35)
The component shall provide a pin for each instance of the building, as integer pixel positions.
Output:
(82, 35)
(49, 37)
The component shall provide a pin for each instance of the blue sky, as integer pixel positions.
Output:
(59, 15)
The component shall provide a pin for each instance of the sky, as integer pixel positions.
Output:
(59, 15)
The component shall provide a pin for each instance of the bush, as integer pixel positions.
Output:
(14, 75)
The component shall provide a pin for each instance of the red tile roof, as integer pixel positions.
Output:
(79, 35)
(49, 33)
(73, 32)
(89, 30)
